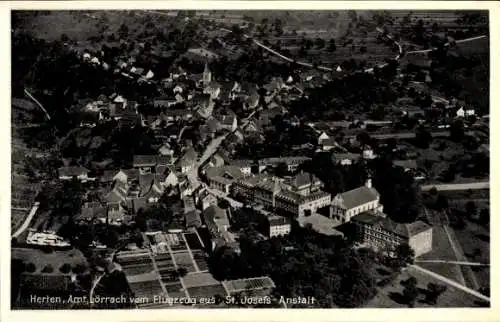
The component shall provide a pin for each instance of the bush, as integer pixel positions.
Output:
(30, 268)
(65, 268)
(48, 269)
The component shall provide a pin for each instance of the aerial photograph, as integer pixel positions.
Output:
(250, 159)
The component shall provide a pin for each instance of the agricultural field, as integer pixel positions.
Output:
(391, 295)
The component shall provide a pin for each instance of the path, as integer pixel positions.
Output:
(457, 186)
(37, 103)
(452, 283)
(220, 194)
(447, 44)
(27, 221)
(451, 262)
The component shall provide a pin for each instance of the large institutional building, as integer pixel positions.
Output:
(384, 234)
(348, 204)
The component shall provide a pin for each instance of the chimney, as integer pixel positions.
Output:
(368, 183)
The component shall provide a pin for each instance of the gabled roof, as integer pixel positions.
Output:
(359, 196)
(72, 171)
(304, 179)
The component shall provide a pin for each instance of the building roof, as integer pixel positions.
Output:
(249, 284)
(228, 172)
(92, 210)
(72, 171)
(189, 157)
(359, 196)
(407, 164)
(345, 156)
(303, 179)
(192, 218)
(144, 160)
(278, 220)
(403, 230)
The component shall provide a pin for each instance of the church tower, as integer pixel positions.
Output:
(207, 75)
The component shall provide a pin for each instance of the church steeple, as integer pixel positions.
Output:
(207, 75)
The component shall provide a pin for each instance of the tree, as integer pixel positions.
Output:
(30, 268)
(434, 290)
(182, 271)
(331, 45)
(471, 208)
(65, 268)
(404, 255)
(79, 269)
(441, 202)
(423, 138)
(48, 269)
(457, 133)
(123, 31)
(410, 291)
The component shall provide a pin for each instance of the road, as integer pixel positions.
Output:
(452, 283)
(220, 194)
(37, 103)
(447, 44)
(27, 221)
(458, 186)
(451, 262)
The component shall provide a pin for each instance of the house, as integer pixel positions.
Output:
(345, 158)
(70, 172)
(383, 234)
(91, 211)
(292, 162)
(213, 89)
(152, 191)
(188, 160)
(221, 178)
(206, 200)
(348, 204)
(323, 136)
(192, 219)
(229, 122)
(217, 223)
(278, 226)
(305, 183)
(244, 165)
(328, 144)
(463, 112)
(407, 165)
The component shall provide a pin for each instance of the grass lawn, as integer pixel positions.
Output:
(390, 296)
(442, 250)
(475, 237)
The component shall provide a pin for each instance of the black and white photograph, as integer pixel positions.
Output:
(271, 159)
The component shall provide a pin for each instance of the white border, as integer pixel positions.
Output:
(478, 314)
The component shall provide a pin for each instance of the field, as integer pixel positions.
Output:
(391, 295)
(472, 238)
(442, 250)
(55, 258)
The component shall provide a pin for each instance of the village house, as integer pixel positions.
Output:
(90, 212)
(465, 111)
(70, 172)
(345, 158)
(348, 204)
(328, 144)
(221, 178)
(217, 222)
(206, 200)
(187, 161)
(244, 165)
(228, 122)
(383, 234)
(278, 226)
